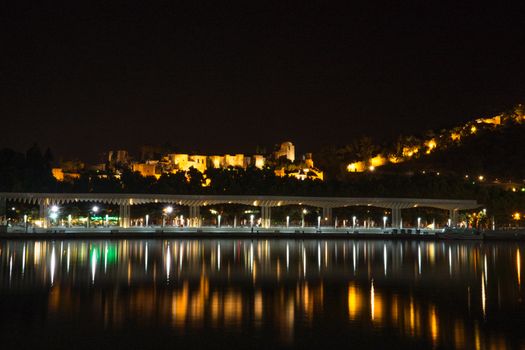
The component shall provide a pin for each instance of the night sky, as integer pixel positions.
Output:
(84, 78)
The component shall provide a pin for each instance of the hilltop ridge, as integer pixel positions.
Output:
(486, 147)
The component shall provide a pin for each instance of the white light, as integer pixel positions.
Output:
(95, 209)
(54, 209)
(53, 216)
(168, 209)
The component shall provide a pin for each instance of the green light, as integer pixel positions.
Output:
(111, 254)
(110, 218)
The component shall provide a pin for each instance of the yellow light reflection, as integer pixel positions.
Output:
(459, 335)
(179, 304)
(434, 326)
(258, 306)
(354, 302)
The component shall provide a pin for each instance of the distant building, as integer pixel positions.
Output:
(303, 171)
(146, 169)
(233, 160)
(287, 150)
(118, 159)
(183, 162)
(259, 161)
(61, 175)
(175, 162)
(68, 170)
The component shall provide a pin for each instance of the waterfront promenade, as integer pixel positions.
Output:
(260, 222)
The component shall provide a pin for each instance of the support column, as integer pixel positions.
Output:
(396, 217)
(195, 216)
(453, 216)
(327, 216)
(266, 216)
(124, 215)
(43, 212)
(3, 211)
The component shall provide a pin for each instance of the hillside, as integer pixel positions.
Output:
(489, 147)
(495, 153)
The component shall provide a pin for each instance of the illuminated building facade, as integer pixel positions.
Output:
(175, 162)
(287, 150)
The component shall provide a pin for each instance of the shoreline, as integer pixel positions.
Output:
(300, 234)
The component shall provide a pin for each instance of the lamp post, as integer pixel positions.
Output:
(251, 220)
(94, 210)
(287, 221)
(318, 222)
(219, 221)
(53, 215)
(167, 211)
(354, 219)
(384, 222)
(303, 213)
(418, 223)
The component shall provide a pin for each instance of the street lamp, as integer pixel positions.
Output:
(219, 221)
(167, 211)
(287, 221)
(384, 222)
(303, 213)
(354, 219)
(95, 210)
(418, 222)
(251, 220)
(53, 215)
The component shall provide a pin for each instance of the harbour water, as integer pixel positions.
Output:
(261, 293)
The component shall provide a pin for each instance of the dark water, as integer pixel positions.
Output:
(260, 294)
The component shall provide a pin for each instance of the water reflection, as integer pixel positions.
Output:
(461, 295)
